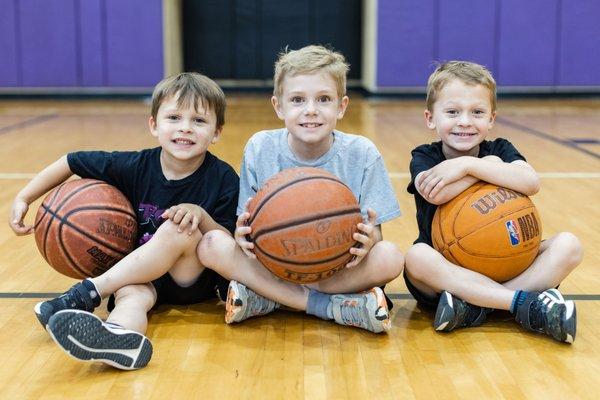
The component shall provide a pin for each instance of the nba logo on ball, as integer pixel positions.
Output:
(513, 233)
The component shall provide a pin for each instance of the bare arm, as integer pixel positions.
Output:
(47, 179)
(443, 182)
(194, 216)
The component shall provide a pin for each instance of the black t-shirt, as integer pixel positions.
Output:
(428, 156)
(214, 186)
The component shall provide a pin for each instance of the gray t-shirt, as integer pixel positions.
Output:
(352, 158)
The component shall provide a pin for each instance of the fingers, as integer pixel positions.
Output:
(20, 229)
(240, 234)
(242, 219)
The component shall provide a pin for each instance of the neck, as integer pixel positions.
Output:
(451, 153)
(174, 169)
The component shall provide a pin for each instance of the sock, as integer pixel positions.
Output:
(94, 293)
(319, 304)
(113, 325)
(518, 300)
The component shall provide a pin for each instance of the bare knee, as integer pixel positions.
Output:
(416, 261)
(570, 246)
(141, 295)
(387, 259)
(169, 235)
(213, 246)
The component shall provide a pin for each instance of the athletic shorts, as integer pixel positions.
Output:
(209, 285)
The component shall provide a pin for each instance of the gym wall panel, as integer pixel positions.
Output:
(9, 62)
(48, 45)
(134, 53)
(467, 31)
(406, 34)
(579, 43)
(527, 43)
(92, 28)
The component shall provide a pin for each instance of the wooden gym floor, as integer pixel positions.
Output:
(287, 354)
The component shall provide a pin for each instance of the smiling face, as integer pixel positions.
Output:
(310, 107)
(462, 117)
(184, 133)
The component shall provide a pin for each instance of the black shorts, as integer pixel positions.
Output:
(209, 285)
(424, 301)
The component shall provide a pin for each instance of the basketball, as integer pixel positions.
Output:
(489, 229)
(302, 221)
(83, 227)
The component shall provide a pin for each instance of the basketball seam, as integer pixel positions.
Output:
(296, 222)
(279, 189)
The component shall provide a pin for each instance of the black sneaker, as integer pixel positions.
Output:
(76, 298)
(453, 313)
(86, 337)
(548, 312)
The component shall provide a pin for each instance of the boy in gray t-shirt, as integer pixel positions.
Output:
(309, 96)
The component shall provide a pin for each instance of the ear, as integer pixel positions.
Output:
(153, 127)
(277, 107)
(217, 135)
(429, 119)
(343, 106)
(492, 120)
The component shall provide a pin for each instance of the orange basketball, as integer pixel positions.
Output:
(83, 227)
(303, 220)
(489, 229)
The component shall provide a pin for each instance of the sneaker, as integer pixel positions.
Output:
(367, 310)
(453, 313)
(86, 337)
(242, 303)
(78, 297)
(548, 312)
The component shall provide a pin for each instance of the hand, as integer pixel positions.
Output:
(242, 229)
(185, 214)
(432, 181)
(17, 214)
(365, 238)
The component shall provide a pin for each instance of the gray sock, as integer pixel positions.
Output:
(319, 304)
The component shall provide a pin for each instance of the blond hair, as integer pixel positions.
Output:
(191, 88)
(467, 72)
(308, 60)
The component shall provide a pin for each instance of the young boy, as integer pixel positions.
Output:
(310, 97)
(461, 108)
(180, 183)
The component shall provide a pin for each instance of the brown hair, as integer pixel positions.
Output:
(308, 60)
(190, 88)
(467, 72)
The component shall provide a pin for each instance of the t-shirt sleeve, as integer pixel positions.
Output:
(423, 158)
(248, 180)
(225, 209)
(377, 192)
(110, 167)
(505, 150)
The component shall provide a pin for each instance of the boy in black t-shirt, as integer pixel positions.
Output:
(461, 108)
(180, 191)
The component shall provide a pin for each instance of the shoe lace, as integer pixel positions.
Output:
(352, 312)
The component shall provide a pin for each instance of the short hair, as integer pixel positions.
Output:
(468, 72)
(191, 88)
(308, 60)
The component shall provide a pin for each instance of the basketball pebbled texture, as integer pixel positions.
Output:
(303, 221)
(489, 229)
(83, 227)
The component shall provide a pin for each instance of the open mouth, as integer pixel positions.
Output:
(311, 125)
(182, 141)
(464, 134)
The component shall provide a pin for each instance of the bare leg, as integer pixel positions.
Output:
(132, 304)
(431, 273)
(168, 250)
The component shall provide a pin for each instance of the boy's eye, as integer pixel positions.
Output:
(199, 120)
(451, 112)
(296, 99)
(324, 99)
(172, 117)
(478, 112)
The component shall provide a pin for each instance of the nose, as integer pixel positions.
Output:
(311, 107)
(464, 119)
(185, 126)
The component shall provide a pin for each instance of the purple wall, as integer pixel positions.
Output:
(542, 43)
(78, 43)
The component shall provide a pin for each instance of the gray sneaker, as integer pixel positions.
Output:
(242, 303)
(453, 313)
(86, 337)
(367, 310)
(548, 312)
